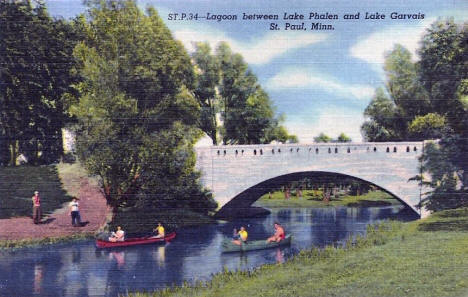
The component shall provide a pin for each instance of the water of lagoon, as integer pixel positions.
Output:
(79, 269)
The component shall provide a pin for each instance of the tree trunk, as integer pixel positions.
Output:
(13, 152)
(213, 136)
(465, 180)
(214, 125)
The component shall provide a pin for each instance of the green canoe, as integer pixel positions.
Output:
(251, 245)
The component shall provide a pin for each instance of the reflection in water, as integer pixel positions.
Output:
(279, 256)
(77, 269)
(119, 257)
(159, 255)
(37, 278)
(243, 261)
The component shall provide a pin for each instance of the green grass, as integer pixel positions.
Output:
(28, 242)
(394, 259)
(71, 176)
(314, 199)
(449, 220)
(17, 186)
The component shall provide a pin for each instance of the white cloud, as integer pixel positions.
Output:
(373, 47)
(303, 78)
(259, 51)
(331, 121)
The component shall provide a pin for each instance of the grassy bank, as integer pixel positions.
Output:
(17, 186)
(423, 258)
(314, 199)
(71, 176)
(16, 244)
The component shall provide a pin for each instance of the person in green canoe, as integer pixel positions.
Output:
(242, 237)
(279, 234)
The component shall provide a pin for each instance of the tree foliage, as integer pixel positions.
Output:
(427, 126)
(427, 100)
(444, 71)
(343, 138)
(207, 71)
(36, 58)
(322, 137)
(226, 86)
(136, 109)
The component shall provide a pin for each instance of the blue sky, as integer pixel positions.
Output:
(320, 80)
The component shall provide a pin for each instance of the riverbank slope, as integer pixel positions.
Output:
(74, 182)
(57, 185)
(423, 258)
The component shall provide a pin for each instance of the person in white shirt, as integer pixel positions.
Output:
(118, 235)
(75, 212)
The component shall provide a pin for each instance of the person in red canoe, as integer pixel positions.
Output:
(279, 234)
(160, 230)
(118, 235)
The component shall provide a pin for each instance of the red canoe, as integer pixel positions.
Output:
(134, 241)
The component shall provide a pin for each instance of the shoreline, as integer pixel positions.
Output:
(368, 265)
(16, 244)
(308, 200)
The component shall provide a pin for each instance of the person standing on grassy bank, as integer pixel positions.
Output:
(75, 213)
(37, 211)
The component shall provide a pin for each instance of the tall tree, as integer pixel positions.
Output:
(247, 112)
(444, 68)
(36, 58)
(444, 74)
(207, 71)
(427, 100)
(383, 120)
(404, 88)
(136, 109)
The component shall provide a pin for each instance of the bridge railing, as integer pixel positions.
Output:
(314, 148)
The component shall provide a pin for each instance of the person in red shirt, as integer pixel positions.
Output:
(37, 212)
(279, 234)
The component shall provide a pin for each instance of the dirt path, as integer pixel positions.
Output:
(93, 209)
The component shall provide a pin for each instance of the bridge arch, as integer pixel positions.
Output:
(389, 166)
(246, 198)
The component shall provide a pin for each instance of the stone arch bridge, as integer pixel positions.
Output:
(238, 175)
